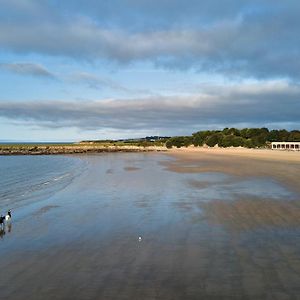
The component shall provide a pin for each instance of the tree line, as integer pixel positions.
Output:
(247, 137)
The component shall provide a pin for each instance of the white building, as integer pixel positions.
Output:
(294, 146)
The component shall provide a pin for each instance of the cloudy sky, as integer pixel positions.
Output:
(93, 69)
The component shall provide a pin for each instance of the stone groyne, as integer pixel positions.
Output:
(72, 149)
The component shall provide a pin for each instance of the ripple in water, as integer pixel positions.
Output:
(25, 179)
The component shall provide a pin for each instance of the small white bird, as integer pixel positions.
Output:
(140, 238)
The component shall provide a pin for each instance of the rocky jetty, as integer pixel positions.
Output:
(71, 149)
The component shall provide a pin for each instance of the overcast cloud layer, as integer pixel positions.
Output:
(252, 45)
(255, 38)
(251, 104)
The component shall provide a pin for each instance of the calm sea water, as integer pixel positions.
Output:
(77, 221)
(24, 179)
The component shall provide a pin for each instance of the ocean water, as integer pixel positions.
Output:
(209, 235)
(26, 179)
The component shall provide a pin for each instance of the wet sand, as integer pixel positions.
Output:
(212, 227)
(281, 165)
(244, 212)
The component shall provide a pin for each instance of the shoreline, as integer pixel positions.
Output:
(44, 149)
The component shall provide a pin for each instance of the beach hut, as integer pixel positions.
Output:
(292, 146)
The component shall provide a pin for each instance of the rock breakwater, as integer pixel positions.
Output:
(71, 149)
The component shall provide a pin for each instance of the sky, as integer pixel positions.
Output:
(95, 69)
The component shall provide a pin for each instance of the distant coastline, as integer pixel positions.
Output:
(81, 148)
(251, 138)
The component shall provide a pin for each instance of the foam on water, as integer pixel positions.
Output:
(24, 179)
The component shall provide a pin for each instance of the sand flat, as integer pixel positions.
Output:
(212, 227)
(264, 154)
(281, 165)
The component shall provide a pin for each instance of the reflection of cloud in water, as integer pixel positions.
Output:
(229, 189)
(240, 203)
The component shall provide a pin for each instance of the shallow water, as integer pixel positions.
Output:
(204, 235)
(24, 179)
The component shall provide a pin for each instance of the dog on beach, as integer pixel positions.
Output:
(8, 216)
(5, 224)
(2, 218)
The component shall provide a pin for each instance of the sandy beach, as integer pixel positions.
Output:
(215, 224)
(282, 165)
(262, 154)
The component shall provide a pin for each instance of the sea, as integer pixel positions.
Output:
(28, 179)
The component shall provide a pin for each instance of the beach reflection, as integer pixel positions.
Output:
(7, 228)
(205, 235)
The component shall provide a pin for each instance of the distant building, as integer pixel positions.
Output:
(155, 138)
(293, 146)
